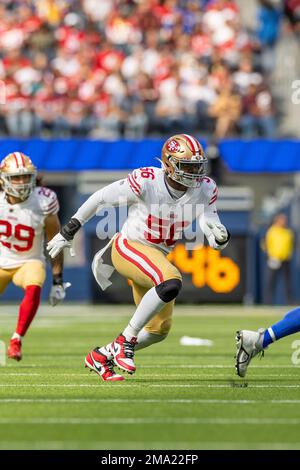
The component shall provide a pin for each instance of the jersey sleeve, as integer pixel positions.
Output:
(123, 192)
(113, 195)
(48, 201)
(138, 180)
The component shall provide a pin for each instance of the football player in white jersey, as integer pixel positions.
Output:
(27, 213)
(162, 203)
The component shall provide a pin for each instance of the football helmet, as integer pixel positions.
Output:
(184, 160)
(14, 165)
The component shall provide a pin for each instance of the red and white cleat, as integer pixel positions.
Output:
(102, 365)
(123, 353)
(15, 349)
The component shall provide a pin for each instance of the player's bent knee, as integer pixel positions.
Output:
(168, 290)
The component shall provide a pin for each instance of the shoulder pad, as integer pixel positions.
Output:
(48, 201)
(138, 179)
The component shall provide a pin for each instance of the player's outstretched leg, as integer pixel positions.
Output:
(27, 311)
(251, 343)
(100, 361)
(123, 347)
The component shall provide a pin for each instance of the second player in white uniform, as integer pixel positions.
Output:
(27, 214)
(22, 227)
(162, 202)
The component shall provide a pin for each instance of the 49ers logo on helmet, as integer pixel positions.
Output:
(173, 146)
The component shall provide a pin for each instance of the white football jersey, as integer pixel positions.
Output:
(22, 227)
(157, 217)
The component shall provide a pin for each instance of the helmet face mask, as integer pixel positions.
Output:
(18, 190)
(188, 173)
(184, 160)
(18, 175)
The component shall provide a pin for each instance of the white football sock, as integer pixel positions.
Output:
(145, 339)
(16, 336)
(130, 331)
(150, 304)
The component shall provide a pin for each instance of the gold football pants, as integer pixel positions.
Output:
(145, 267)
(31, 273)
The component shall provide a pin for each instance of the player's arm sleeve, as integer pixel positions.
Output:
(116, 194)
(123, 192)
(210, 214)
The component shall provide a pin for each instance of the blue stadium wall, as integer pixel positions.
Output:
(255, 156)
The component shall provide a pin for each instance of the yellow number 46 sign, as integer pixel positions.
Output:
(207, 267)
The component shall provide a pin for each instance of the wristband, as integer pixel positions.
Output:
(70, 229)
(57, 279)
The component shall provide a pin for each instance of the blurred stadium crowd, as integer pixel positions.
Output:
(109, 68)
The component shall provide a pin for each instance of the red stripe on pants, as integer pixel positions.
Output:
(139, 266)
(145, 258)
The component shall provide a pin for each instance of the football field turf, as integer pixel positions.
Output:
(181, 397)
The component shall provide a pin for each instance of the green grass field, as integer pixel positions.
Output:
(180, 397)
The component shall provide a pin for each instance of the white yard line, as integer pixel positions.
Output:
(213, 366)
(156, 421)
(143, 375)
(159, 366)
(175, 401)
(139, 385)
(25, 374)
(151, 366)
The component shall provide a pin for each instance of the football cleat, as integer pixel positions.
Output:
(123, 353)
(15, 349)
(102, 365)
(248, 344)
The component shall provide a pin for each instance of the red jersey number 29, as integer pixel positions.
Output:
(21, 232)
